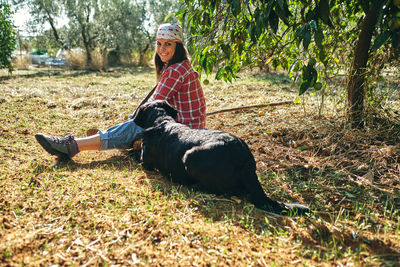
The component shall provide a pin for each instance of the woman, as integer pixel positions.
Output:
(178, 83)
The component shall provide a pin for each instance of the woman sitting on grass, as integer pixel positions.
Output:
(178, 83)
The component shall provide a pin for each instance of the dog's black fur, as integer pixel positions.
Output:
(216, 161)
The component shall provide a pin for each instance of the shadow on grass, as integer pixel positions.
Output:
(274, 78)
(317, 233)
(121, 162)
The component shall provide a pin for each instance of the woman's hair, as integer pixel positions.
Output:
(180, 55)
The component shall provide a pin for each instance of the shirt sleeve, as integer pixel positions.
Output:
(168, 86)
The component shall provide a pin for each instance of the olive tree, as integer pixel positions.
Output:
(8, 37)
(306, 37)
(43, 12)
(120, 26)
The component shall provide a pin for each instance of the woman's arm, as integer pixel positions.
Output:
(169, 84)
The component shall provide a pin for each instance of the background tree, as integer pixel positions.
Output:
(81, 15)
(43, 12)
(120, 27)
(307, 38)
(46, 41)
(121, 22)
(8, 37)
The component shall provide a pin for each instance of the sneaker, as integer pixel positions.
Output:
(59, 146)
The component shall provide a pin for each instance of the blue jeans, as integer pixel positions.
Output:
(119, 136)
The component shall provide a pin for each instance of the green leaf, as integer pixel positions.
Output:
(280, 3)
(168, 16)
(318, 86)
(309, 75)
(206, 19)
(226, 48)
(235, 7)
(322, 56)
(324, 12)
(380, 40)
(299, 33)
(313, 75)
(274, 21)
(306, 39)
(282, 10)
(205, 50)
(304, 87)
(319, 37)
(267, 11)
(306, 73)
(251, 32)
(349, 195)
(312, 61)
(177, 14)
(212, 6)
(293, 66)
(302, 148)
(203, 61)
(313, 25)
(219, 74)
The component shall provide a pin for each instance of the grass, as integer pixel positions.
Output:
(104, 209)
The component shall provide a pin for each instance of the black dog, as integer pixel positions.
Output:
(216, 161)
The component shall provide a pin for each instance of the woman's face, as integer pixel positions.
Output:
(165, 49)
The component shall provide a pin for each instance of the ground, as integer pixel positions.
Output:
(103, 208)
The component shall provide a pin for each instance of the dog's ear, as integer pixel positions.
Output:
(169, 109)
(140, 116)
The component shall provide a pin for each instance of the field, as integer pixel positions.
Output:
(103, 208)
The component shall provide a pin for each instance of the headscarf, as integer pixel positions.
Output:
(170, 31)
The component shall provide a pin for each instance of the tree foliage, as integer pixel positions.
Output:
(307, 38)
(43, 11)
(120, 26)
(8, 37)
(121, 21)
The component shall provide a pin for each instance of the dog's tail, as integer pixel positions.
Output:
(258, 196)
(261, 201)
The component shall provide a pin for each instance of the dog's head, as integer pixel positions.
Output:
(149, 112)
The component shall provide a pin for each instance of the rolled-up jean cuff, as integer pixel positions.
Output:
(120, 136)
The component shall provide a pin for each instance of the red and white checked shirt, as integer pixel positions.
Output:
(180, 86)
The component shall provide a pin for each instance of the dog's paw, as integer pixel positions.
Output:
(147, 166)
(135, 154)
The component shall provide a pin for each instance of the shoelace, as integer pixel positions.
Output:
(67, 139)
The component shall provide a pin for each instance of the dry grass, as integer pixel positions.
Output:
(103, 208)
(21, 62)
(99, 60)
(76, 60)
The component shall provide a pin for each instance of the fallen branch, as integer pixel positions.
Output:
(95, 131)
(251, 107)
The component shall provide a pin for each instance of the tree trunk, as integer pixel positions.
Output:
(142, 57)
(86, 44)
(356, 79)
(54, 29)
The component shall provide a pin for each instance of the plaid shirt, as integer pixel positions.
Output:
(180, 86)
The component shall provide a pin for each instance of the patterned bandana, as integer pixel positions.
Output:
(169, 31)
